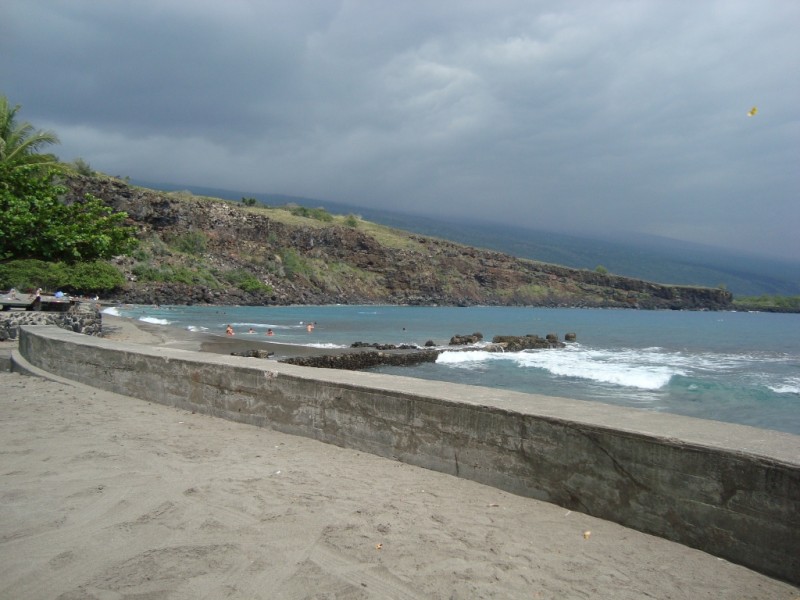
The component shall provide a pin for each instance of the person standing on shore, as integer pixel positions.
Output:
(229, 330)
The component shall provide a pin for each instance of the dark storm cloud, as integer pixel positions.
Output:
(580, 115)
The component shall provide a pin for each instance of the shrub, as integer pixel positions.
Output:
(95, 276)
(145, 272)
(320, 214)
(293, 264)
(157, 246)
(140, 254)
(30, 274)
(246, 281)
(191, 242)
(82, 167)
(351, 221)
(174, 274)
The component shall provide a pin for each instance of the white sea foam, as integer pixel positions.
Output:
(320, 345)
(791, 385)
(632, 368)
(111, 310)
(199, 328)
(465, 358)
(323, 345)
(155, 320)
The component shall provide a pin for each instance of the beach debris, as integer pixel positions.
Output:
(378, 546)
(752, 112)
(587, 534)
(492, 505)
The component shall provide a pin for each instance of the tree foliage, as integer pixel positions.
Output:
(34, 223)
(20, 143)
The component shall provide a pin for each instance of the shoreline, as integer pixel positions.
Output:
(139, 332)
(132, 330)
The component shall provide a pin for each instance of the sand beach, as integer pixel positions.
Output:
(106, 496)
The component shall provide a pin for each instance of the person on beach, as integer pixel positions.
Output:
(251, 330)
(229, 330)
(270, 332)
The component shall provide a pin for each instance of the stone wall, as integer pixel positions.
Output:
(730, 490)
(80, 318)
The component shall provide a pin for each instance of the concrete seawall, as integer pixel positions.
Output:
(730, 490)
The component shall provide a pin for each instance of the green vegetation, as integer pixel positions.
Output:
(293, 263)
(246, 281)
(191, 242)
(765, 302)
(351, 221)
(320, 214)
(97, 276)
(249, 201)
(601, 270)
(29, 274)
(34, 223)
(146, 272)
(20, 143)
(45, 242)
(81, 167)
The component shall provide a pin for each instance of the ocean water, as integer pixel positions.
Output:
(739, 367)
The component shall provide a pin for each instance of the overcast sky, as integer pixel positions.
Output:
(585, 115)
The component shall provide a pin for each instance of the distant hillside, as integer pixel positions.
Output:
(643, 257)
(198, 249)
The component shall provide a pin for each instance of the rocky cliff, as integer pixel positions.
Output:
(299, 259)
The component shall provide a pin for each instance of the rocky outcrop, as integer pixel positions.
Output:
(347, 265)
(365, 359)
(378, 346)
(462, 340)
(181, 293)
(517, 343)
(257, 353)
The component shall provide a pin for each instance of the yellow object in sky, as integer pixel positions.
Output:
(752, 112)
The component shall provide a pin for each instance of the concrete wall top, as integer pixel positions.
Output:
(673, 429)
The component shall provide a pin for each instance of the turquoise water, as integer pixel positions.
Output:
(728, 366)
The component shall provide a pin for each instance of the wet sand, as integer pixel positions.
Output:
(106, 496)
(140, 332)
